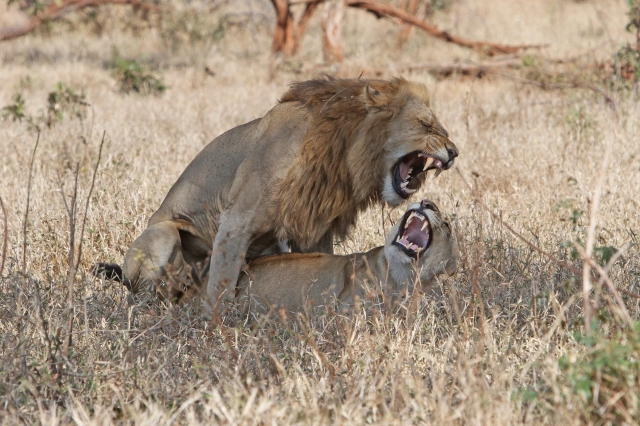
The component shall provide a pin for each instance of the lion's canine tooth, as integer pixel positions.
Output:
(438, 171)
(409, 190)
(428, 163)
(424, 225)
(403, 185)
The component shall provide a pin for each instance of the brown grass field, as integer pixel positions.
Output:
(502, 345)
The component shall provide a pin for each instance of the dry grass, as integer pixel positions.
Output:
(492, 356)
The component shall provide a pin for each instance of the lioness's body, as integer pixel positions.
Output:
(300, 174)
(301, 281)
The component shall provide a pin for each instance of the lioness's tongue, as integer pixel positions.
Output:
(417, 232)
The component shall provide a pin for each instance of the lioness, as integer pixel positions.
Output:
(420, 243)
(302, 173)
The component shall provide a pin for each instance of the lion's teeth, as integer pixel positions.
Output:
(424, 226)
(438, 171)
(403, 185)
(428, 163)
(409, 190)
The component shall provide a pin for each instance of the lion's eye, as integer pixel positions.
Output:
(427, 126)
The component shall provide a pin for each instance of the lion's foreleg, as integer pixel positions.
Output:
(227, 257)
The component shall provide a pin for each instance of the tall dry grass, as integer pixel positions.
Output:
(501, 345)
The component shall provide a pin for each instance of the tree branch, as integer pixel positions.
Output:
(57, 10)
(381, 10)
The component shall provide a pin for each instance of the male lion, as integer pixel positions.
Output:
(302, 173)
(419, 246)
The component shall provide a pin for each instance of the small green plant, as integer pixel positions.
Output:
(15, 111)
(634, 20)
(625, 71)
(629, 59)
(64, 100)
(31, 7)
(606, 377)
(133, 77)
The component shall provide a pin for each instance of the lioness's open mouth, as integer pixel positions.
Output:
(409, 167)
(415, 233)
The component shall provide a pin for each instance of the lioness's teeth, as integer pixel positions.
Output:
(438, 171)
(428, 163)
(403, 185)
(424, 226)
(409, 190)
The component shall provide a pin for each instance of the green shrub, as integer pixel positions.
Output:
(15, 111)
(64, 100)
(606, 378)
(133, 77)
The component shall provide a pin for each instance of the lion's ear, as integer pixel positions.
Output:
(373, 98)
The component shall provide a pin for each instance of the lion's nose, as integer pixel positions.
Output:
(453, 152)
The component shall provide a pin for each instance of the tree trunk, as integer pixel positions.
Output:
(288, 33)
(284, 35)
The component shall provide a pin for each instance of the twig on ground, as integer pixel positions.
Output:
(381, 10)
(591, 237)
(86, 207)
(26, 210)
(71, 213)
(4, 238)
(74, 261)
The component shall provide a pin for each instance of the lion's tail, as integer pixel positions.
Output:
(110, 271)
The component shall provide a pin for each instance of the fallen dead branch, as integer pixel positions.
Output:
(471, 69)
(57, 10)
(382, 10)
(576, 84)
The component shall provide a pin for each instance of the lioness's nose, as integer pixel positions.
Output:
(427, 204)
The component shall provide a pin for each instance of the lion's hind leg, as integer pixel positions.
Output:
(155, 261)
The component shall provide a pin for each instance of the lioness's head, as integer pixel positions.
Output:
(368, 141)
(421, 241)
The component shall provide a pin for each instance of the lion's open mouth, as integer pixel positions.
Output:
(415, 233)
(409, 167)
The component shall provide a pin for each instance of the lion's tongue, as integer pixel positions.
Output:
(404, 170)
